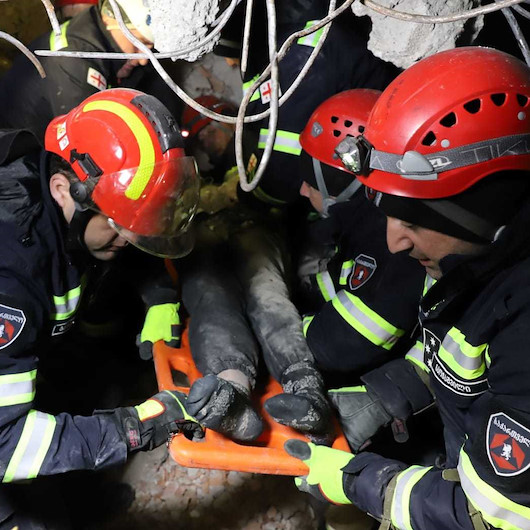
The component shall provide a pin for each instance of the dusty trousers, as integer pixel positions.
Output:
(235, 286)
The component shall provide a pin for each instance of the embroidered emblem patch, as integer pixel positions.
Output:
(96, 79)
(11, 324)
(363, 270)
(507, 445)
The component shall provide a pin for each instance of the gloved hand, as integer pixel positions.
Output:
(324, 480)
(303, 405)
(162, 322)
(224, 406)
(361, 414)
(152, 423)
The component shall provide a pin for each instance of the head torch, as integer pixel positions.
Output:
(354, 152)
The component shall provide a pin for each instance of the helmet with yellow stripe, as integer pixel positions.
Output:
(127, 151)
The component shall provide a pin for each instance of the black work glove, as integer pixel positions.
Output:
(154, 421)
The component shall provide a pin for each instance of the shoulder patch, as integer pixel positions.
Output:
(507, 445)
(265, 91)
(96, 79)
(363, 269)
(12, 322)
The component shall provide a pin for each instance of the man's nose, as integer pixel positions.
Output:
(396, 236)
(304, 190)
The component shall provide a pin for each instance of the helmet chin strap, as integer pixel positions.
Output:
(327, 199)
(75, 239)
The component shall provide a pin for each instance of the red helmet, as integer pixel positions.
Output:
(126, 149)
(343, 114)
(445, 123)
(193, 121)
(63, 3)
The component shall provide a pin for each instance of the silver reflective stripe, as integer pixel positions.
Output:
(415, 354)
(463, 360)
(400, 511)
(285, 141)
(368, 319)
(347, 267)
(325, 284)
(66, 304)
(313, 38)
(429, 282)
(32, 447)
(17, 388)
(495, 508)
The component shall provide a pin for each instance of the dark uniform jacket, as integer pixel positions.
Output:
(344, 62)
(369, 297)
(40, 293)
(29, 102)
(475, 323)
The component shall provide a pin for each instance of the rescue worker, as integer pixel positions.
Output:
(236, 289)
(30, 102)
(83, 199)
(213, 138)
(368, 298)
(344, 62)
(446, 153)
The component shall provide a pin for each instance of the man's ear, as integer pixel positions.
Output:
(60, 189)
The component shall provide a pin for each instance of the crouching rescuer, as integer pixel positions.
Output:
(113, 172)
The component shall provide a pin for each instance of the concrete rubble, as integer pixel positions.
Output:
(403, 42)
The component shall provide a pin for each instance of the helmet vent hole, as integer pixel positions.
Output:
(336, 133)
(348, 123)
(498, 99)
(522, 100)
(360, 128)
(449, 120)
(334, 119)
(430, 139)
(473, 106)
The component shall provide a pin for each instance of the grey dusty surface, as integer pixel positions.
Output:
(168, 496)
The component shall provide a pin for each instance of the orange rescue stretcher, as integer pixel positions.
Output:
(215, 451)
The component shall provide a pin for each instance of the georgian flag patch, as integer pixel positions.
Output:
(12, 322)
(96, 79)
(507, 445)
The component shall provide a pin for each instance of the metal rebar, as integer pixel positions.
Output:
(25, 51)
(427, 19)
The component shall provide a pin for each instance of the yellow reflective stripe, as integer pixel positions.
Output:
(345, 389)
(487, 357)
(61, 41)
(465, 360)
(285, 141)
(366, 321)
(428, 283)
(306, 321)
(262, 196)
(66, 305)
(325, 284)
(17, 388)
(415, 355)
(145, 144)
(400, 509)
(32, 447)
(248, 84)
(347, 267)
(313, 38)
(496, 509)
